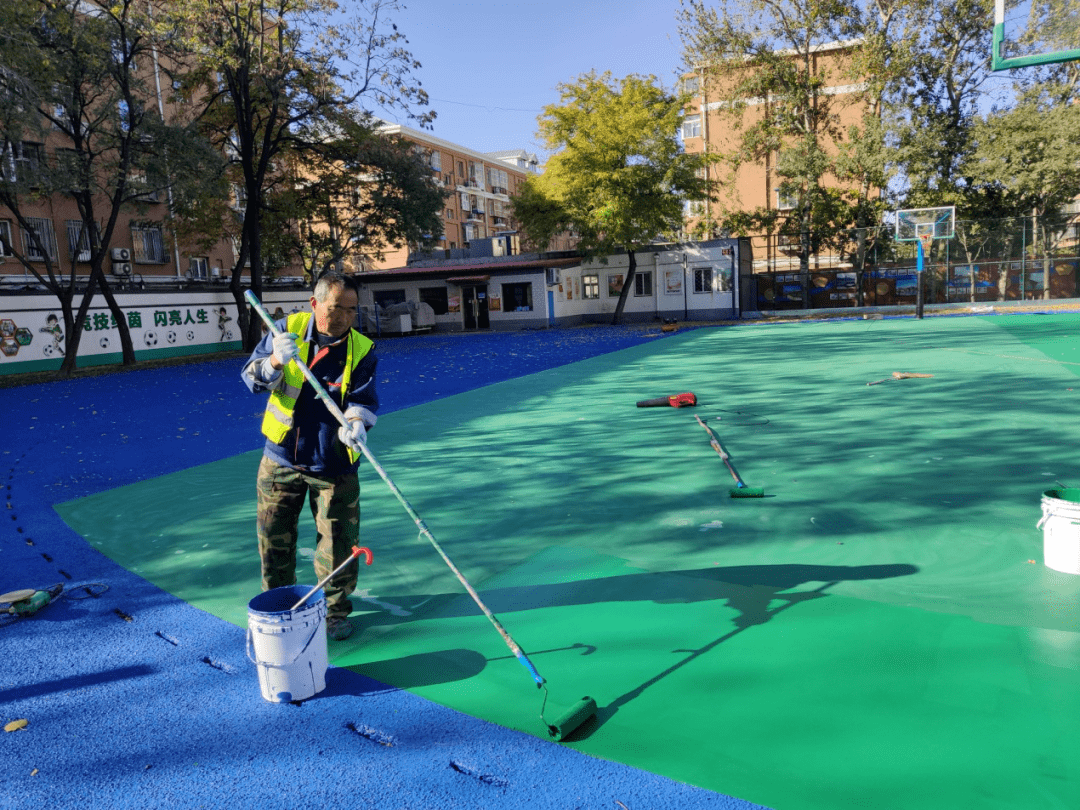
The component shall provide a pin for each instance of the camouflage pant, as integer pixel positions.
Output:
(335, 505)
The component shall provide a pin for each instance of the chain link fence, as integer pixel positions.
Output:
(987, 260)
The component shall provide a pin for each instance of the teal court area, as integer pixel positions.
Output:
(878, 631)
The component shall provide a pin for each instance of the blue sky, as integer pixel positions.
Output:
(490, 67)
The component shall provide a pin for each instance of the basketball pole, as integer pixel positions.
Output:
(919, 277)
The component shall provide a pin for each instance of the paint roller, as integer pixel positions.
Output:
(740, 490)
(570, 720)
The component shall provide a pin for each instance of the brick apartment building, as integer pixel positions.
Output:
(707, 128)
(482, 185)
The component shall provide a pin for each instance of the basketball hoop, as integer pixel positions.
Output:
(927, 240)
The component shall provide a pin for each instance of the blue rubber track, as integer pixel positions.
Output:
(134, 698)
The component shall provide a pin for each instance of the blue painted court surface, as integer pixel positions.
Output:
(134, 698)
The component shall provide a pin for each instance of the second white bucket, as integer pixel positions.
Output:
(288, 646)
(1061, 529)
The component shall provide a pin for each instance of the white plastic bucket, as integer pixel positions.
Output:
(1061, 529)
(288, 646)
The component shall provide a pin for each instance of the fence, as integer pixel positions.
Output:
(987, 260)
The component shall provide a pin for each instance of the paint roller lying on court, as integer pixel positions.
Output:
(740, 490)
(576, 715)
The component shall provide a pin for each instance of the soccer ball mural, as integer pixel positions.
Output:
(150, 338)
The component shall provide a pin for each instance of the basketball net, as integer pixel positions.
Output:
(927, 240)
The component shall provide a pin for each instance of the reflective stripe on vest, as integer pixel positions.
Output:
(278, 418)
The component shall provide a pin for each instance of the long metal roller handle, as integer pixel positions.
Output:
(332, 406)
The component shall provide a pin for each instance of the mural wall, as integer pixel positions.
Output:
(167, 324)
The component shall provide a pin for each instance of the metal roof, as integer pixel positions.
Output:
(470, 269)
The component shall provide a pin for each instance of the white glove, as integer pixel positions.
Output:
(360, 419)
(354, 435)
(285, 348)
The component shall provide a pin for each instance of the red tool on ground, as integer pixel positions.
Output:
(674, 401)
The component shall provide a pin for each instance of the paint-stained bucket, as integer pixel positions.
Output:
(1061, 529)
(288, 646)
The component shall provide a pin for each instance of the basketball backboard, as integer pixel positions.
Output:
(935, 223)
(1035, 32)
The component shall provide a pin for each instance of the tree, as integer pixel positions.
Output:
(70, 75)
(1030, 154)
(936, 106)
(760, 60)
(618, 176)
(266, 73)
(362, 191)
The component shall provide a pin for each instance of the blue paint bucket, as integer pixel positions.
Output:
(288, 647)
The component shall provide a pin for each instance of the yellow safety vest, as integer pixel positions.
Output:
(278, 419)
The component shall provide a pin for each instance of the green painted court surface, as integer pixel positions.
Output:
(880, 631)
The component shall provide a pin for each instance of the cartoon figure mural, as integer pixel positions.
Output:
(52, 327)
(223, 319)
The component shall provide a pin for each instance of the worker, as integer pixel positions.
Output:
(308, 455)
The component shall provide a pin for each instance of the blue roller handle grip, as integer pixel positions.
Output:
(525, 662)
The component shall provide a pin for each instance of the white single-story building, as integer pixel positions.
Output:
(686, 282)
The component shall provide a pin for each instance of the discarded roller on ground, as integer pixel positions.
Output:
(573, 718)
(740, 490)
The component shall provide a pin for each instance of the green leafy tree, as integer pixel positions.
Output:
(1029, 153)
(265, 72)
(363, 191)
(73, 79)
(618, 176)
(760, 61)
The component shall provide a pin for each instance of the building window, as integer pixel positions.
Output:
(436, 161)
(517, 297)
(643, 283)
(691, 85)
(691, 126)
(239, 198)
(461, 169)
(148, 243)
(5, 237)
(590, 286)
(436, 298)
(449, 213)
(46, 239)
(384, 298)
(786, 200)
(78, 240)
(693, 208)
(703, 280)
(199, 268)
